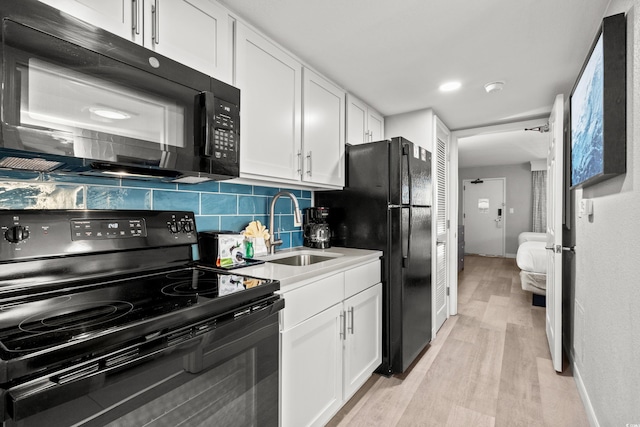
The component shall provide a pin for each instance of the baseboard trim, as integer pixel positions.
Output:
(510, 255)
(591, 414)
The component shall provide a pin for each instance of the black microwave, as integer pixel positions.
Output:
(78, 99)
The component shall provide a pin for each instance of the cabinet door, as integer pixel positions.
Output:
(311, 373)
(192, 32)
(375, 123)
(115, 16)
(363, 345)
(323, 131)
(357, 132)
(270, 83)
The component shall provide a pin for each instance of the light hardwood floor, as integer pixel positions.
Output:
(488, 366)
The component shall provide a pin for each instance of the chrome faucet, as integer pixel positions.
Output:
(297, 218)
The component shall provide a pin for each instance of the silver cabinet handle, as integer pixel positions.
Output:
(155, 22)
(343, 325)
(299, 163)
(351, 316)
(135, 27)
(309, 163)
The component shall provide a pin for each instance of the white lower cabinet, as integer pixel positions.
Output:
(312, 369)
(330, 343)
(363, 343)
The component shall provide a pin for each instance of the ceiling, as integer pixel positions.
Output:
(394, 56)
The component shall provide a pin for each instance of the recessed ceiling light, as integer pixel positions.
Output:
(494, 86)
(450, 86)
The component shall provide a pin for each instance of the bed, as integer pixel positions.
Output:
(532, 261)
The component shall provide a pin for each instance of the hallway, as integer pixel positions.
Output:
(489, 365)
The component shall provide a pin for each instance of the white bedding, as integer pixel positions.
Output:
(532, 256)
(532, 261)
(529, 236)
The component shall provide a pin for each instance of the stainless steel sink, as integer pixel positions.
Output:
(301, 259)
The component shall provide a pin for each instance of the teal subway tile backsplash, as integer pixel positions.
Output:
(228, 187)
(118, 198)
(170, 200)
(209, 222)
(252, 205)
(265, 191)
(235, 223)
(40, 195)
(217, 205)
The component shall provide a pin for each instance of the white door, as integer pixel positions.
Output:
(483, 218)
(441, 216)
(554, 233)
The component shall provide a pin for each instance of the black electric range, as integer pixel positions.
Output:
(84, 291)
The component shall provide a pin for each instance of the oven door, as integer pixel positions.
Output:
(229, 379)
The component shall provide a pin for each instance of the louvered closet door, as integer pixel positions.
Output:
(441, 226)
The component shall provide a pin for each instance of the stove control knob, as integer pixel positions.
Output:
(16, 234)
(187, 226)
(174, 227)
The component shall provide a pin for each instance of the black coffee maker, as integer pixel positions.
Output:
(317, 233)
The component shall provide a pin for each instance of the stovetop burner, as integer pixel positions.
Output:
(73, 321)
(47, 321)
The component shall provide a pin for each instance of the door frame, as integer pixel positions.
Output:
(504, 201)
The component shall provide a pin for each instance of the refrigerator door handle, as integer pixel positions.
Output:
(406, 244)
(406, 153)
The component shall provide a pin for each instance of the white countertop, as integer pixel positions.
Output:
(291, 276)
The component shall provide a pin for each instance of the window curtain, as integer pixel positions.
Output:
(539, 190)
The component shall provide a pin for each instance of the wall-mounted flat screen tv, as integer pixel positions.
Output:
(598, 106)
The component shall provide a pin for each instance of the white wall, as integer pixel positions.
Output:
(606, 316)
(416, 126)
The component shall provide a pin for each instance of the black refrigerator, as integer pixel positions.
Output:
(386, 205)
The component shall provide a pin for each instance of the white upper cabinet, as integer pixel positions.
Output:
(116, 16)
(375, 123)
(270, 83)
(193, 32)
(364, 124)
(323, 130)
(293, 121)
